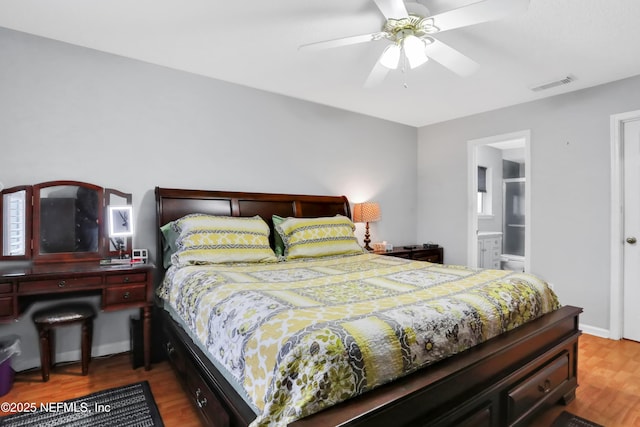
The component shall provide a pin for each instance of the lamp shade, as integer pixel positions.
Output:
(366, 212)
(414, 51)
(391, 57)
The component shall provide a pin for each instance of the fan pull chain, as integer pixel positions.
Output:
(404, 68)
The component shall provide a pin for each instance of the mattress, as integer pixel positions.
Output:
(300, 336)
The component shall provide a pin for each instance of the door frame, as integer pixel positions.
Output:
(616, 303)
(472, 194)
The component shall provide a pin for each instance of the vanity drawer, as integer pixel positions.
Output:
(127, 278)
(57, 285)
(5, 288)
(125, 295)
(536, 388)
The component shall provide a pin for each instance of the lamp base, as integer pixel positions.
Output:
(367, 239)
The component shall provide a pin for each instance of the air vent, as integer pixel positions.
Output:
(563, 81)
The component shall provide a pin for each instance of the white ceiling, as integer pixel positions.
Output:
(254, 43)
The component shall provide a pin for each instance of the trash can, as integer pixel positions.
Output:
(9, 346)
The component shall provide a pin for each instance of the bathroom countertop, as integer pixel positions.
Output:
(490, 233)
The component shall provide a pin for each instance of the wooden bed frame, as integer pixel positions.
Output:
(504, 381)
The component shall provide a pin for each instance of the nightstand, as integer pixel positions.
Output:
(417, 253)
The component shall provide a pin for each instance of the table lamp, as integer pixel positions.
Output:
(366, 212)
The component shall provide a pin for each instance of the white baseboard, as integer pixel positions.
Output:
(598, 332)
(74, 355)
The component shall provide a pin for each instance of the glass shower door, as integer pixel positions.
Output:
(513, 220)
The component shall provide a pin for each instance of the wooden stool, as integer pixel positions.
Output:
(60, 315)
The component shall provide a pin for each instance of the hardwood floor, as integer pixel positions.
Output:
(609, 384)
(66, 382)
(609, 391)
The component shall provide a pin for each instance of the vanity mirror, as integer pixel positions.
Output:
(117, 245)
(59, 221)
(66, 221)
(15, 227)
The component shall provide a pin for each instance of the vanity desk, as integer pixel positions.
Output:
(55, 235)
(120, 286)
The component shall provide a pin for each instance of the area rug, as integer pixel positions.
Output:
(128, 406)
(567, 419)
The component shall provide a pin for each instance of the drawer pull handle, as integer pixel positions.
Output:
(62, 284)
(126, 295)
(201, 402)
(126, 279)
(170, 349)
(545, 388)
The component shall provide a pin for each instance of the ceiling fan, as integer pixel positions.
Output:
(412, 30)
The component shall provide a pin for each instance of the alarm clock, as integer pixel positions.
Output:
(139, 255)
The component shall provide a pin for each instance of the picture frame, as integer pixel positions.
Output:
(120, 221)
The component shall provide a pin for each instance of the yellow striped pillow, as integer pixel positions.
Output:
(317, 237)
(208, 239)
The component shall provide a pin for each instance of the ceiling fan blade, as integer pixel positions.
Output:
(392, 9)
(344, 41)
(416, 8)
(447, 56)
(377, 74)
(475, 13)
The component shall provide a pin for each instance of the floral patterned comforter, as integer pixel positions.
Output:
(301, 336)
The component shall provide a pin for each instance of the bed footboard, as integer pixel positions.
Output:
(504, 381)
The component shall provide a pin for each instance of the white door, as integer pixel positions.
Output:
(631, 271)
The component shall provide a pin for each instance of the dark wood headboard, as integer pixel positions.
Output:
(172, 204)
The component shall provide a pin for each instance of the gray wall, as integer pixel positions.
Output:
(72, 113)
(570, 187)
(68, 112)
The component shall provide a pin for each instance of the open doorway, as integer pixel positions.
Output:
(499, 195)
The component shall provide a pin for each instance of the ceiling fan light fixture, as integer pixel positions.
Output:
(414, 51)
(409, 26)
(391, 57)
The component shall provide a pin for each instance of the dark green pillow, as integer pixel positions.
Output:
(277, 238)
(169, 236)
